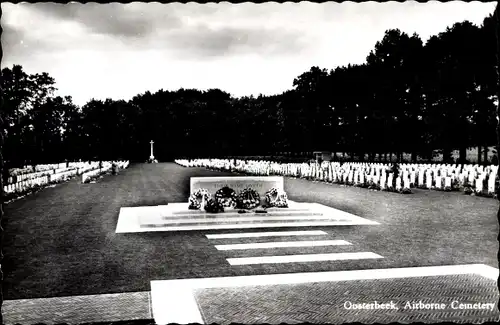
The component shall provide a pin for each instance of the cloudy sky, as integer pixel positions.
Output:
(120, 50)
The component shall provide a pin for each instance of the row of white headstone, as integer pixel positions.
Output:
(430, 176)
(34, 175)
(106, 167)
(37, 168)
(95, 172)
(28, 172)
(59, 175)
(41, 178)
(123, 164)
(24, 185)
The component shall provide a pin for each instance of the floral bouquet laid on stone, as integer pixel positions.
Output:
(226, 196)
(198, 199)
(275, 198)
(214, 206)
(248, 199)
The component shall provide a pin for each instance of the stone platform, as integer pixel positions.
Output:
(177, 217)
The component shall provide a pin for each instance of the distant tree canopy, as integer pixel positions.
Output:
(407, 97)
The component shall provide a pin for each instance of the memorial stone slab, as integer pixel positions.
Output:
(261, 184)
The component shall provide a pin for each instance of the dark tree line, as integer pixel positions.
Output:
(407, 97)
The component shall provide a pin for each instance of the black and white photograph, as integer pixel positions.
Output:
(274, 163)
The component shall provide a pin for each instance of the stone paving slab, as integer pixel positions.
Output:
(78, 309)
(324, 302)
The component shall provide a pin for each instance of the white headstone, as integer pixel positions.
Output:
(447, 182)
(412, 177)
(382, 182)
(406, 183)
(462, 178)
(438, 182)
(472, 176)
(398, 183)
(428, 181)
(389, 180)
(421, 178)
(479, 185)
(491, 183)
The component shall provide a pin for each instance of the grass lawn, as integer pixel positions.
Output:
(61, 241)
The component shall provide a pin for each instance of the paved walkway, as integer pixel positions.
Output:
(333, 303)
(429, 294)
(78, 309)
(328, 296)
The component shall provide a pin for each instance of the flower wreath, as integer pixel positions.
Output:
(275, 198)
(214, 206)
(248, 199)
(198, 198)
(226, 196)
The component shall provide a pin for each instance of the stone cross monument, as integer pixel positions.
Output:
(152, 157)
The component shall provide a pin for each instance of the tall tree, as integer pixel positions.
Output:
(315, 111)
(22, 92)
(397, 61)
